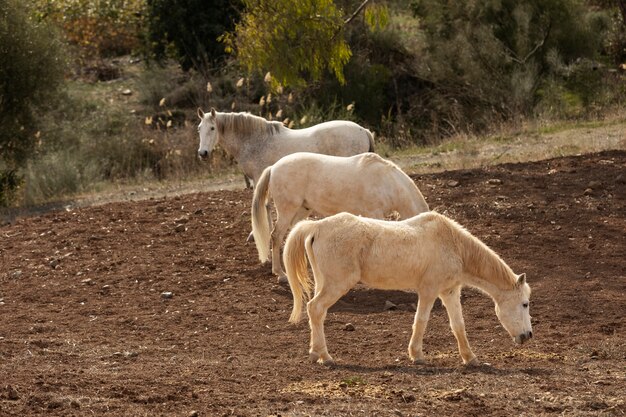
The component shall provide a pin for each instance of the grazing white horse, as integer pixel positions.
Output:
(302, 183)
(428, 253)
(256, 143)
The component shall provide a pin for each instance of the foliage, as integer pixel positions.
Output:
(484, 61)
(31, 71)
(295, 40)
(188, 30)
(97, 28)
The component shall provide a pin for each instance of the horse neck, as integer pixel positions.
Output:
(484, 268)
(236, 142)
(232, 143)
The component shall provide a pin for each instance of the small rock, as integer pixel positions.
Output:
(594, 184)
(194, 413)
(88, 281)
(54, 263)
(16, 274)
(390, 306)
(12, 393)
(452, 183)
(494, 181)
(198, 212)
(182, 220)
(349, 327)
(127, 92)
(105, 289)
(180, 227)
(588, 191)
(167, 295)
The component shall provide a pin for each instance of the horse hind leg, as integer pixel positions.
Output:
(285, 219)
(326, 294)
(452, 301)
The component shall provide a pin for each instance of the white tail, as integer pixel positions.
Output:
(299, 244)
(260, 219)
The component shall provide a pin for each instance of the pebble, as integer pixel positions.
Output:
(494, 181)
(453, 183)
(349, 327)
(180, 227)
(167, 295)
(588, 191)
(390, 306)
(12, 393)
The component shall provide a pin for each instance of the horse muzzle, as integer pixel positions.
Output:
(520, 339)
(203, 154)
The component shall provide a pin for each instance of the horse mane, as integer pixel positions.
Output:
(246, 124)
(478, 258)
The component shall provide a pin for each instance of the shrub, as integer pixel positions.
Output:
(31, 71)
(97, 28)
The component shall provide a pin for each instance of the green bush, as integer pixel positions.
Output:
(31, 71)
(485, 61)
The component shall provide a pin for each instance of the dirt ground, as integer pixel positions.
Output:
(160, 307)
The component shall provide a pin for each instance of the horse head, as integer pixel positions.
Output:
(512, 309)
(207, 130)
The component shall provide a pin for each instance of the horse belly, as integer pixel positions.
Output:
(388, 277)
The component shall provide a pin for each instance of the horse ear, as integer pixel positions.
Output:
(213, 111)
(200, 113)
(521, 279)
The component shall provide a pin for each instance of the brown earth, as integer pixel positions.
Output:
(87, 328)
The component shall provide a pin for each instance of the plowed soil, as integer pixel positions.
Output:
(160, 307)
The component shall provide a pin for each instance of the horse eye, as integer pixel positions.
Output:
(525, 305)
(212, 127)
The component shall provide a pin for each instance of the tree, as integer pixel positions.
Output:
(297, 40)
(189, 29)
(32, 69)
(487, 58)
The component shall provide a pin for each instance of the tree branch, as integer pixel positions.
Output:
(356, 12)
(349, 19)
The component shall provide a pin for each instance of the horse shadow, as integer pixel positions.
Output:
(432, 369)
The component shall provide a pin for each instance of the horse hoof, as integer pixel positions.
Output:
(283, 279)
(314, 357)
(419, 362)
(473, 362)
(328, 362)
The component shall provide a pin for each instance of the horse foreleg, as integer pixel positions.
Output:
(424, 305)
(452, 301)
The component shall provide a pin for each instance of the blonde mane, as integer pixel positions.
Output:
(478, 259)
(246, 124)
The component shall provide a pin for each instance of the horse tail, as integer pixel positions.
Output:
(370, 136)
(299, 244)
(260, 219)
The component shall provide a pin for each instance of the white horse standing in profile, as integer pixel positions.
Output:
(302, 183)
(256, 143)
(428, 253)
